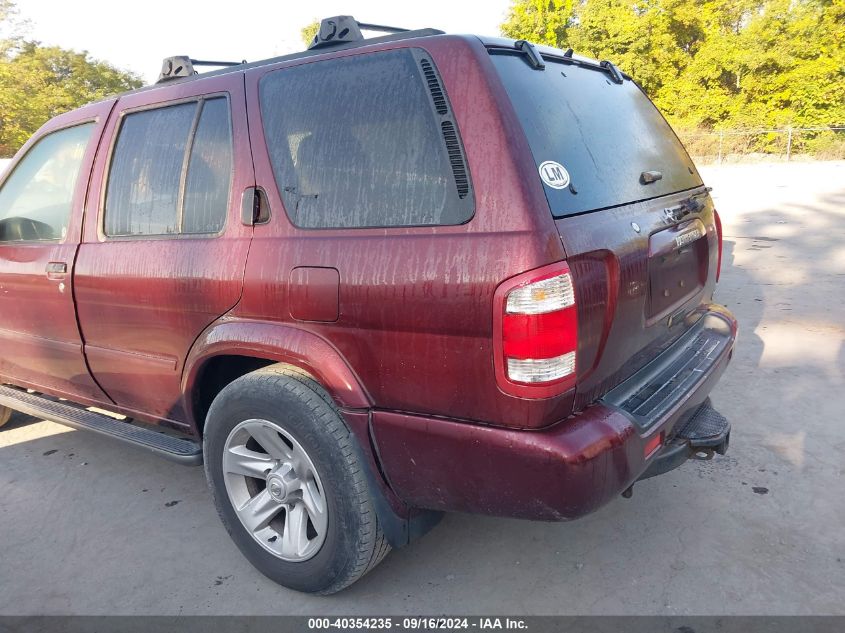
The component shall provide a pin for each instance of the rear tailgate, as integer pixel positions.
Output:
(636, 292)
(636, 222)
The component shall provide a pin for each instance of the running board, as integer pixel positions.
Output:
(179, 450)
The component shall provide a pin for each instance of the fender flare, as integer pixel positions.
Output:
(278, 342)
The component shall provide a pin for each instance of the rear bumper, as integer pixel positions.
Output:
(571, 468)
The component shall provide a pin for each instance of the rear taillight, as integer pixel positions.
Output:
(719, 237)
(536, 333)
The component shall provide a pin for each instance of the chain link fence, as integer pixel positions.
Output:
(765, 145)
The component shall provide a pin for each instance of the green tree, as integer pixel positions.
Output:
(37, 83)
(540, 21)
(11, 27)
(711, 63)
(308, 32)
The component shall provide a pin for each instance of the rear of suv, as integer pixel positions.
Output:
(370, 283)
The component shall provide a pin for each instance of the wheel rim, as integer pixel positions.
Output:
(275, 490)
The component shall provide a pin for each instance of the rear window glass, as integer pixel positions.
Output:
(605, 135)
(359, 142)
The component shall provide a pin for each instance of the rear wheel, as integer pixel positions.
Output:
(288, 482)
(5, 414)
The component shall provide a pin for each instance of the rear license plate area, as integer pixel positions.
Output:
(677, 266)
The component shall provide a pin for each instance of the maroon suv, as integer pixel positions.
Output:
(369, 283)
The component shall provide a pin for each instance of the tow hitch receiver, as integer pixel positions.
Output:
(704, 434)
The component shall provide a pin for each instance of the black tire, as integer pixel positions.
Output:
(5, 414)
(354, 542)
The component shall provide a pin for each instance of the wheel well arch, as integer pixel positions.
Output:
(233, 348)
(217, 372)
(214, 375)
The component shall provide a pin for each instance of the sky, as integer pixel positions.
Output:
(138, 35)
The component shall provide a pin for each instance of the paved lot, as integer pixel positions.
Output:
(89, 526)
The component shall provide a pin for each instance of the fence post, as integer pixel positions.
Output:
(721, 138)
(789, 143)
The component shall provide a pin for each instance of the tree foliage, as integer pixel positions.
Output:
(540, 21)
(308, 32)
(38, 82)
(710, 63)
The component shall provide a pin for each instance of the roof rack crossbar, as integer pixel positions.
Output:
(340, 33)
(203, 62)
(381, 28)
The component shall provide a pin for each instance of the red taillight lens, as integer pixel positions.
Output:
(537, 332)
(654, 442)
(719, 236)
(540, 335)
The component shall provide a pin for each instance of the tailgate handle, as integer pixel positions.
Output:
(648, 177)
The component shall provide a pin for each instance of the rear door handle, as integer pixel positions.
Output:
(56, 270)
(255, 209)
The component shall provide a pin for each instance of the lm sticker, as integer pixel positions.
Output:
(554, 175)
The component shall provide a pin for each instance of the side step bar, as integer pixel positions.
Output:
(180, 450)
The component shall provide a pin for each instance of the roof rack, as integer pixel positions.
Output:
(344, 33)
(342, 29)
(179, 66)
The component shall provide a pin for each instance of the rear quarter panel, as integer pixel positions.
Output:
(415, 304)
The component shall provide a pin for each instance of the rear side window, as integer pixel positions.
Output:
(171, 171)
(603, 134)
(37, 198)
(365, 141)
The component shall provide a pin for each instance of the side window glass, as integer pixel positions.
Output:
(209, 171)
(37, 198)
(365, 141)
(142, 195)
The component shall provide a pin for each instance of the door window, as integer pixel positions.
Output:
(171, 171)
(37, 198)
